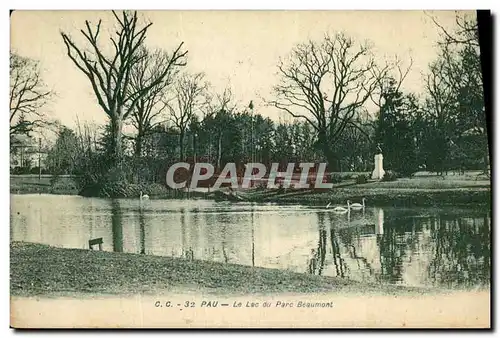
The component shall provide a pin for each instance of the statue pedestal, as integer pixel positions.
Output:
(379, 171)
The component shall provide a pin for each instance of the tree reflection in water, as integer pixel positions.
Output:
(186, 252)
(392, 251)
(317, 261)
(461, 251)
(116, 225)
(441, 248)
(449, 250)
(142, 231)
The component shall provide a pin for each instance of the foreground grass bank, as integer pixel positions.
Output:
(41, 270)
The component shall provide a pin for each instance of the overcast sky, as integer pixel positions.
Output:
(241, 48)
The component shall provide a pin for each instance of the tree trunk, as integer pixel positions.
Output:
(116, 129)
(219, 152)
(331, 157)
(138, 153)
(194, 148)
(486, 163)
(138, 144)
(181, 145)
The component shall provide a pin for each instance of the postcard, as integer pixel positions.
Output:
(249, 169)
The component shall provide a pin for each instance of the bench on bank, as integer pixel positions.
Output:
(95, 241)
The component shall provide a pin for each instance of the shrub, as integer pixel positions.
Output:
(389, 176)
(36, 171)
(20, 171)
(347, 177)
(335, 178)
(361, 179)
(261, 185)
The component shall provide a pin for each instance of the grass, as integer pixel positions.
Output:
(37, 269)
(422, 190)
(30, 184)
(405, 192)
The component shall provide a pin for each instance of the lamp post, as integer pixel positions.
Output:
(252, 136)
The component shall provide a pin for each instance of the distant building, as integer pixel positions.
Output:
(24, 152)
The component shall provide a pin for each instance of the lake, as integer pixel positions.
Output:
(446, 247)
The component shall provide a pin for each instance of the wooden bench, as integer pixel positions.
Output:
(96, 241)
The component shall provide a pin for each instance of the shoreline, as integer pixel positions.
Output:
(41, 270)
(380, 197)
(423, 191)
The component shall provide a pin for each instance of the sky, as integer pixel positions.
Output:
(236, 48)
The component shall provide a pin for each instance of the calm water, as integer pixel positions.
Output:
(418, 247)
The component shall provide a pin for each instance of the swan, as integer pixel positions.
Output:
(357, 206)
(143, 197)
(341, 210)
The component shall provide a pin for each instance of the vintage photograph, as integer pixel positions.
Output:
(249, 169)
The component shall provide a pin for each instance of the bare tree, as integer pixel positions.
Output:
(217, 102)
(457, 76)
(389, 78)
(466, 32)
(149, 107)
(327, 84)
(189, 98)
(110, 76)
(441, 97)
(28, 95)
(218, 106)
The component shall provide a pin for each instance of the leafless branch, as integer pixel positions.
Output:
(28, 95)
(328, 83)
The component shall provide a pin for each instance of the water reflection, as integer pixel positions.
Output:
(419, 247)
(142, 231)
(116, 226)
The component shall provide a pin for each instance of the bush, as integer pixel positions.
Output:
(347, 177)
(36, 171)
(335, 178)
(389, 176)
(20, 171)
(361, 179)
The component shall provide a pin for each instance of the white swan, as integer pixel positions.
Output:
(143, 197)
(357, 206)
(341, 210)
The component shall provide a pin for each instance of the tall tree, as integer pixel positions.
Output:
(455, 87)
(441, 109)
(396, 130)
(327, 84)
(110, 76)
(189, 97)
(61, 158)
(144, 116)
(28, 95)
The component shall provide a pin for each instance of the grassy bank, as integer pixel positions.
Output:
(32, 184)
(380, 197)
(37, 269)
(429, 190)
(418, 191)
